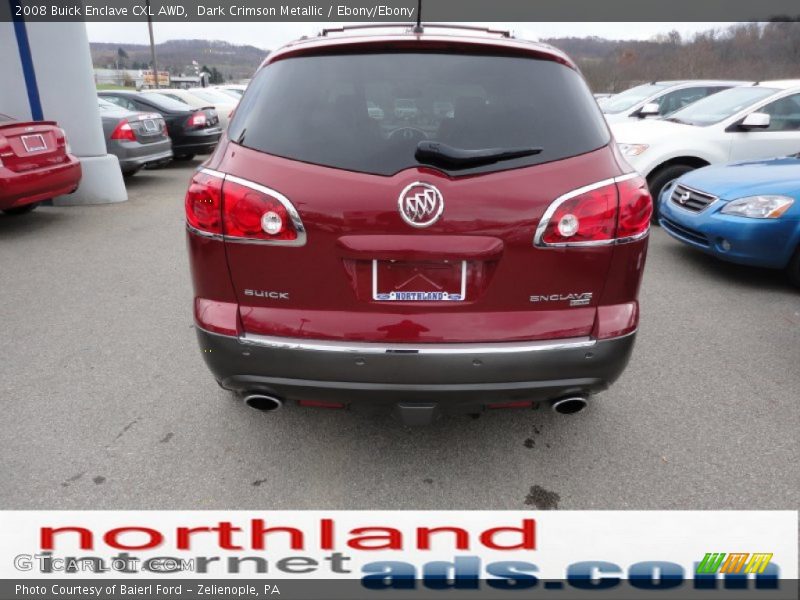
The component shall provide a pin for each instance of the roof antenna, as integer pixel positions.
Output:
(418, 27)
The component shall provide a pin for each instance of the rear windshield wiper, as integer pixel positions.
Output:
(436, 153)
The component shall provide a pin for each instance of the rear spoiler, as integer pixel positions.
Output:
(4, 124)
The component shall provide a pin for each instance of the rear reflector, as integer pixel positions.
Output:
(320, 404)
(216, 316)
(616, 320)
(517, 404)
(611, 211)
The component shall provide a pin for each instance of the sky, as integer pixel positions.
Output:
(272, 35)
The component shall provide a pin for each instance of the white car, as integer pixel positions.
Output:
(234, 90)
(660, 98)
(197, 98)
(747, 122)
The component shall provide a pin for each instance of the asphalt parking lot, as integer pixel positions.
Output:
(107, 403)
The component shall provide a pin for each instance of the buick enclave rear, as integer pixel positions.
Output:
(482, 251)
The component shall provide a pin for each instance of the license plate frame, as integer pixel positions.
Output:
(34, 147)
(451, 295)
(150, 126)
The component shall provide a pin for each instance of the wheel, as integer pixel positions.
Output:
(661, 179)
(21, 210)
(130, 173)
(793, 269)
(184, 156)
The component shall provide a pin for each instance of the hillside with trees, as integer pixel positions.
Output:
(748, 51)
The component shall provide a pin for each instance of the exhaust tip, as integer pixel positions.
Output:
(569, 406)
(262, 402)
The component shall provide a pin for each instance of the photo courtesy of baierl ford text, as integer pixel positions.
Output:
(414, 299)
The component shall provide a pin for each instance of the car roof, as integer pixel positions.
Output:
(783, 84)
(437, 36)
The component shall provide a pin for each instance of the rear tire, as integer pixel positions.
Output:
(184, 156)
(21, 210)
(793, 269)
(130, 173)
(662, 178)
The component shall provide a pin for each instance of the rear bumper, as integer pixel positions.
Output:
(457, 377)
(133, 155)
(198, 141)
(19, 189)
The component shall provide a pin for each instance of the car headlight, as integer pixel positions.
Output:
(759, 207)
(632, 149)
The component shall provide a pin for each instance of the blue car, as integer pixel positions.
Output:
(746, 212)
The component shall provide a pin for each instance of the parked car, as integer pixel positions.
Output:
(223, 106)
(192, 130)
(234, 90)
(746, 212)
(35, 164)
(660, 98)
(492, 264)
(747, 122)
(137, 139)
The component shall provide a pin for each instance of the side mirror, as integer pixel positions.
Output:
(756, 120)
(651, 109)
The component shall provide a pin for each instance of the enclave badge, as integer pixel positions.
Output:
(420, 204)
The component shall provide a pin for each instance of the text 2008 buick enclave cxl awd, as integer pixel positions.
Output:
(482, 250)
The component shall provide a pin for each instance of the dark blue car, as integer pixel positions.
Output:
(746, 213)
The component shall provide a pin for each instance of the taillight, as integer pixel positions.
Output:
(204, 203)
(197, 119)
(123, 131)
(164, 128)
(612, 211)
(254, 212)
(635, 209)
(242, 211)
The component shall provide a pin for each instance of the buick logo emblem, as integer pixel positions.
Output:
(420, 204)
(684, 197)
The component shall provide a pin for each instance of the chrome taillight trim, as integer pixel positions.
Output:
(548, 214)
(297, 222)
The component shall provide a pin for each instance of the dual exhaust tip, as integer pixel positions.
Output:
(262, 402)
(268, 403)
(569, 406)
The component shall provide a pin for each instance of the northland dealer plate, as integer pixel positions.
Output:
(408, 281)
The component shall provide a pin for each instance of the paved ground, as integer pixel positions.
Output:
(107, 404)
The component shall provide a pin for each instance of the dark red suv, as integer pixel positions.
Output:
(434, 221)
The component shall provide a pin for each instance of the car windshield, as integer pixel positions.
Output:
(720, 106)
(165, 102)
(629, 98)
(384, 112)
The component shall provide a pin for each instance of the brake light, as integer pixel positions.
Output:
(254, 212)
(241, 210)
(635, 208)
(204, 203)
(123, 131)
(612, 211)
(164, 128)
(197, 119)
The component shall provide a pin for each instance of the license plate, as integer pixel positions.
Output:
(405, 281)
(150, 126)
(34, 143)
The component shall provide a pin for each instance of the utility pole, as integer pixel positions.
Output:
(152, 44)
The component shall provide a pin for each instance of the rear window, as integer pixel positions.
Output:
(368, 112)
(164, 101)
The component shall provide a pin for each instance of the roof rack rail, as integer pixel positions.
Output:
(501, 32)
